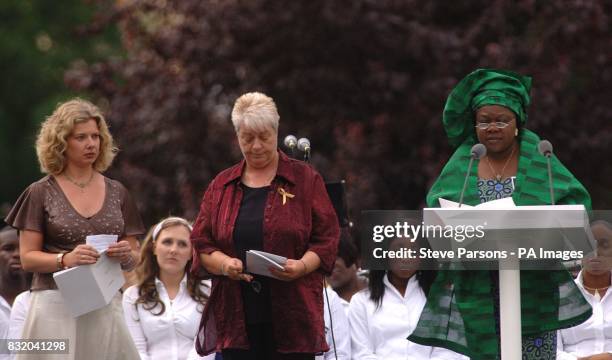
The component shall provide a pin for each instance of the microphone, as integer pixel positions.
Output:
(546, 149)
(477, 152)
(304, 145)
(291, 143)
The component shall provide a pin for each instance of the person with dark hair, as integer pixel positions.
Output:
(344, 279)
(462, 313)
(279, 205)
(382, 316)
(162, 310)
(13, 280)
(592, 340)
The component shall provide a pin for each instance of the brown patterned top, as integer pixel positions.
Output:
(44, 207)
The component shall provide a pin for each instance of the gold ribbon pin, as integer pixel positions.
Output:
(285, 195)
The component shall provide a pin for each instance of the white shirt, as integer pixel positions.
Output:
(593, 336)
(345, 305)
(341, 328)
(19, 313)
(5, 315)
(380, 333)
(171, 335)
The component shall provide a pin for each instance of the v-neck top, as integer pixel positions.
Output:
(43, 207)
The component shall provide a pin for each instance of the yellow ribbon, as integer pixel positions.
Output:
(285, 195)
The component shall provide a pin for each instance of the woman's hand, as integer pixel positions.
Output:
(81, 255)
(294, 269)
(233, 269)
(120, 250)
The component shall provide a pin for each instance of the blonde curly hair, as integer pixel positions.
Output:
(51, 141)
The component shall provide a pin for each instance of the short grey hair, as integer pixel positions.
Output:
(255, 111)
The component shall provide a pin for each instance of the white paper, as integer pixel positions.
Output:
(101, 242)
(503, 203)
(450, 204)
(259, 262)
(86, 288)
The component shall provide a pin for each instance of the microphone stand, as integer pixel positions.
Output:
(550, 182)
(467, 176)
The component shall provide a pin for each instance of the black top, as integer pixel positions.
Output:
(248, 235)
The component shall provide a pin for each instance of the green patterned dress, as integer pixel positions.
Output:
(460, 313)
(534, 347)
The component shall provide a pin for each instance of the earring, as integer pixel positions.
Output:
(515, 132)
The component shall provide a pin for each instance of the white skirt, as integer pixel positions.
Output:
(100, 334)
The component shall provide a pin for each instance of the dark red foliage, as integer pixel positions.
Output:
(365, 80)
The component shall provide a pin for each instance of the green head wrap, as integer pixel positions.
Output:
(484, 87)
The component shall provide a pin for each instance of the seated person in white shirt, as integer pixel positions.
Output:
(592, 340)
(163, 310)
(13, 280)
(344, 279)
(19, 313)
(339, 340)
(382, 316)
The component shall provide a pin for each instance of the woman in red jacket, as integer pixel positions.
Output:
(279, 205)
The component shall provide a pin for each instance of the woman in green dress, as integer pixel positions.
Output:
(462, 310)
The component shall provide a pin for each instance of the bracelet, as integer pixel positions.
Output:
(62, 261)
(59, 261)
(305, 267)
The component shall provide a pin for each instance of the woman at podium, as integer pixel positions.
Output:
(490, 107)
(279, 205)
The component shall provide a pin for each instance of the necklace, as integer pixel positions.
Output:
(597, 291)
(498, 176)
(81, 185)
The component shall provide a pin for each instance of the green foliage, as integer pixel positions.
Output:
(40, 40)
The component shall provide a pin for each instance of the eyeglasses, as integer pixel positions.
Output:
(497, 124)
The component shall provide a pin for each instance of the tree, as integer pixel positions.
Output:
(39, 41)
(365, 80)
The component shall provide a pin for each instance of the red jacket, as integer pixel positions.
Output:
(306, 222)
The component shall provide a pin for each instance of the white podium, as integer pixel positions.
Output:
(508, 227)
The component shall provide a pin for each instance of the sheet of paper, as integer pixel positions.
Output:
(101, 242)
(259, 262)
(450, 204)
(503, 203)
(87, 288)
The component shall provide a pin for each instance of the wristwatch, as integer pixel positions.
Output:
(59, 260)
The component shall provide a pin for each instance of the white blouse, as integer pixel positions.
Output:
(5, 315)
(593, 336)
(19, 314)
(171, 335)
(341, 329)
(380, 333)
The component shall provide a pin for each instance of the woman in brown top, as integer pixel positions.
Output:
(54, 216)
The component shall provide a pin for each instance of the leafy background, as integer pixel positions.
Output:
(365, 80)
